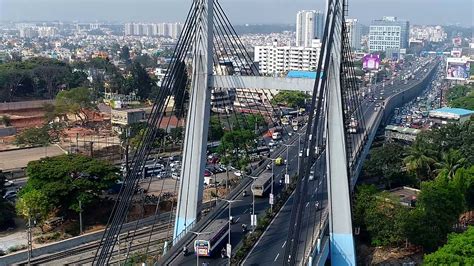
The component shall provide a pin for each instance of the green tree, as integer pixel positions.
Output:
(78, 101)
(290, 98)
(234, 146)
(466, 102)
(65, 179)
(34, 204)
(179, 89)
(464, 181)
(33, 137)
(438, 208)
(125, 54)
(450, 163)
(215, 129)
(379, 216)
(419, 161)
(7, 211)
(458, 251)
(385, 221)
(363, 201)
(386, 162)
(458, 91)
(139, 81)
(6, 120)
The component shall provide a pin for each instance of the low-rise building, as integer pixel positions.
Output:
(447, 115)
(405, 195)
(401, 133)
(121, 118)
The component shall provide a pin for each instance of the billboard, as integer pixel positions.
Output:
(371, 61)
(456, 52)
(457, 68)
(457, 41)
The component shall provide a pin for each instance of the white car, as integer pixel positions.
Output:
(8, 183)
(175, 176)
(311, 175)
(10, 195)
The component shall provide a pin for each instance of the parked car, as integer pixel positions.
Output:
(9, 195)
(8, 183)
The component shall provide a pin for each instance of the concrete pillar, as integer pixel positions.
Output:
(197, 125)
(340, 221)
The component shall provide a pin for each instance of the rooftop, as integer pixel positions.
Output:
(302, 74)
(405, 194)
(403, 129)
(453, 111)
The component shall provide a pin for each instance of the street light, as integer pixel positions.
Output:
(287, 162)
(299, 150)
(198, 234)
(271, 187)
(253, 224)
(229, 254)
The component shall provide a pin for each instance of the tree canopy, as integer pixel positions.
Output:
(37, 77)
(459, 250)
(7, 211)
(290, 98)
(77, 101)
(62, 180)
(461, 96)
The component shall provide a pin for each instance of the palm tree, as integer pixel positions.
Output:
(419, 161)
(450, 162)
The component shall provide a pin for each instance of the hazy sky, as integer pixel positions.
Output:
(239, 11)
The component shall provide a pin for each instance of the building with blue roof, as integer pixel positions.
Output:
(302, 74)
(446, 114)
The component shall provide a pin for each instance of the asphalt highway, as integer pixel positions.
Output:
(270, 249)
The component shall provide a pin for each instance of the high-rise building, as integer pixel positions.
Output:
(137, 29)
(354, 33)
(388, 34)
(309, 25)
(128, 29)
(28, 32)
(278, 60)
(175, 30)
(148, 29)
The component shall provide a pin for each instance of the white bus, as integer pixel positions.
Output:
(208, 244)
(262, 184)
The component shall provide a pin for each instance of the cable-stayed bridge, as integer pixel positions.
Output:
(211, 62)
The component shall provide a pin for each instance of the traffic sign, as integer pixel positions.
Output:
(253, 220)
(287, 179)
(271, 199)
(229, 250)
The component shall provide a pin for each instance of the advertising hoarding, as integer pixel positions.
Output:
(457, 41)
(456, 52)
(457, 68)
(371, 61)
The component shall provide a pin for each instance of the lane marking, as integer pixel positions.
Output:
(276, 257)
(307, 204)
(283, 244)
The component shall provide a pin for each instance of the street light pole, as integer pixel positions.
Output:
(299, 150)
(253, 202)
(287, 162)
(80, 216)
(271, 187)
(230, 216)
(198, 234)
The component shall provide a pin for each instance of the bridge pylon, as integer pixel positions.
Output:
(197, 123)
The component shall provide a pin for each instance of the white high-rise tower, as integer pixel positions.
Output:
(309, 25)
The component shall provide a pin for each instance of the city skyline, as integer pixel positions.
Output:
(441, 12)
